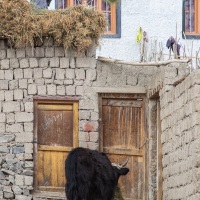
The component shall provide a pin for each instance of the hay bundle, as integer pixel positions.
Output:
(76, 27)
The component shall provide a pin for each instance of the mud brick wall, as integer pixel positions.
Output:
(180, 124)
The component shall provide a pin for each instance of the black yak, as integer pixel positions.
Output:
(91, 176)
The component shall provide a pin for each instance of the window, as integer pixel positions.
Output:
(191, 17)
(109, 10)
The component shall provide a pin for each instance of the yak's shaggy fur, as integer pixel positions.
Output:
(90, 175)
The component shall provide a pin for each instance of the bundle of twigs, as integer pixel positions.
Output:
(75, 27)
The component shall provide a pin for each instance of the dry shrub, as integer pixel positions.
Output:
(77, 27)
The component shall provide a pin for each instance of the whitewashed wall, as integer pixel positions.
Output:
(157, 17)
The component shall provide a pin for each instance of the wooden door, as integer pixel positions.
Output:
(122, 134)
(56, 132)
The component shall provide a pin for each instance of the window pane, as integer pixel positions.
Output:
(92, 3)
(105, 6)
(77, 2)
(189, 22)
(108, 17)
(61, 4)
(189, 5)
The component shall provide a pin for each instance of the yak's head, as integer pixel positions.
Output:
(120, 169)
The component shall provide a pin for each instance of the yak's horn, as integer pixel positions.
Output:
(124, 164)
(120, 166)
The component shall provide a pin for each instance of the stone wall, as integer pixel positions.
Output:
(51, 71)
(181, 138)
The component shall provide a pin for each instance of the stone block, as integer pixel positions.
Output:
(64, 62)
(33, 62)
(24, 137)
(18, 73)
(2, 76)
(2, 96)
(91, 74)
(30, 52)
(49, 52)
(18, 150)
(70, 73)
(78, 82)
(29, 106)
(29, 164)
(84, 137)
(28, 73)
(11, 106)
(94, 116)
(60, 90)
(13, 84)
(79, 90)
(68, 82)
(51, 89)
(7, 138)
(32, 89)
(72, 63)
(60, 74)
(19, 180)
(28, 180)
(94, 137)
(20, 53)
(2, 117)
(14, 128)
(93, 145)
(8, 195)
(4, 149)
(39, 52)
(18, 94)
(3, 44)
(42, 90)
(28, 148)
(43, 62)
(24, 63)
(2, 127)
(47, 73)
(23, 117)
(16, 189)
(2, 54)
(86, 63)
(70, 90)
(80, 74)
(84, 115)
(28, 127)
(59, 52)
(10, 118)
(11, 53)
(9, 95)
(23, 84)
(8, 74)
(5, 64)
(37, 73)
(54, 62)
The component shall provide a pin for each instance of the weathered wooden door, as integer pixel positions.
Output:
(122, 136)
(56, 133)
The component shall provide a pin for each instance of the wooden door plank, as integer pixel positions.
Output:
(75, 125)
(54, 169)
(47, 169)
(54, 107)
(121, 151)
(54, 148)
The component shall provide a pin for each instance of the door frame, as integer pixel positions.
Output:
(57, 101)
(129, 96)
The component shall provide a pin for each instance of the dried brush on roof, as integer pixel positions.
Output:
(76, 27)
